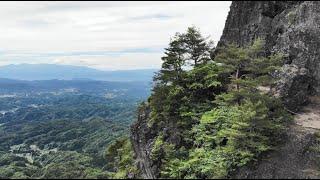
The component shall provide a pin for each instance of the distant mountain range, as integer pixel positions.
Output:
(67, 72)
(130, 89)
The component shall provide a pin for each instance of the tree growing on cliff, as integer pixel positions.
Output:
(173, 62)
(119, 156)
(197, 47)
(244, 122)
(210, 117)
(185, 51)
(184, 76)
(250, 71)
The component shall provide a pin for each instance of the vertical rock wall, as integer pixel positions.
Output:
(289, 27)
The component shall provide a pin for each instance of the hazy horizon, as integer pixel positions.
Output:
(101, 35)
(80, 66)
(70, 72)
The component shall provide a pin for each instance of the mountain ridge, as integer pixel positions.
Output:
(69, 72)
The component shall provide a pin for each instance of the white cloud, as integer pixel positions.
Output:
(122, 61)
(46, 27)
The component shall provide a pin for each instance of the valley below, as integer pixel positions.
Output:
(61, 129)
(105, 93)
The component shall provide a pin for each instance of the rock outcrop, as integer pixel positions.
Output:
(288, 27)
(291, 28)
(142, 138)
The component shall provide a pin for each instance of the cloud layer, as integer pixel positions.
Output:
(102, 35)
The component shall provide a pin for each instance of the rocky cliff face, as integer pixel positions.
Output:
(142, 138)
(291, 28)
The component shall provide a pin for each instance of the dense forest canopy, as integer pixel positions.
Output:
(61, 129)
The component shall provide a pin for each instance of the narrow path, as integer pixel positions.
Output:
(296, 158)
(310, 115)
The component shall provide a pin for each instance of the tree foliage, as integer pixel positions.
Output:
(120, 159)
(65, 137)
(221, 112)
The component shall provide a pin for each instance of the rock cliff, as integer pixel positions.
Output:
(142, 138)
(290, 28)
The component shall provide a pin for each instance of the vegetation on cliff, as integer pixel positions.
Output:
(213, 114)
(120, 158)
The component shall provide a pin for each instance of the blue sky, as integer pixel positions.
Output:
(102, 35)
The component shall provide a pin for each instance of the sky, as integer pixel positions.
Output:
(101, 35)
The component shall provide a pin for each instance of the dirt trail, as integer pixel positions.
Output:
(297, 157)
(309, 117)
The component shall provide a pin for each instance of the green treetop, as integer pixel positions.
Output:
(249, 69)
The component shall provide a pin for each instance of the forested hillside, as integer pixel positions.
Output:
(61, 129)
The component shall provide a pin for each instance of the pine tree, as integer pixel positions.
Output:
(178, 87)
(205, 124)
(185, 51)
(173, 62)
(244, 123)
(249, 69)
(197, 47)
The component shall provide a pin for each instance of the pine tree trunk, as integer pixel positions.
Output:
(237, 77)
(237, 84)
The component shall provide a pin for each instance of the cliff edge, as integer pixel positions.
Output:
(288, 27)
(291, 28)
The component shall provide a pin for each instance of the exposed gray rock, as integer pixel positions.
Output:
(293, 29)
(289, 27)
(294, 85)
(142, 138)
